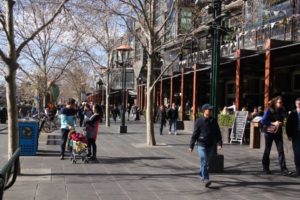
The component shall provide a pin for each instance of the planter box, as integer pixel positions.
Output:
(225, 132)
(189, 126)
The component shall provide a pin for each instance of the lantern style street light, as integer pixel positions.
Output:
(123, 55)
(216, 9)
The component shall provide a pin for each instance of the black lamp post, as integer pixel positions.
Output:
(217, 161)
(100, 83)
(123, 53)
(215, 62)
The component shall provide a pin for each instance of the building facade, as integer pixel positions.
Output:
(259, 56)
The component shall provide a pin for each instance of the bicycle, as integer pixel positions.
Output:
(48, 124)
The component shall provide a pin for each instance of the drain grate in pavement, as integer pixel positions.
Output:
(53, 140)
(54, 137)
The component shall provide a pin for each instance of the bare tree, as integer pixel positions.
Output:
(141, 15)
(102, 31)
(75, 81)
(51, 52)
(10, 50)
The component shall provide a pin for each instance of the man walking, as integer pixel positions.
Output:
(161, 118)
(67, 117)
(173, 116)
(206, 133)
(293, 132)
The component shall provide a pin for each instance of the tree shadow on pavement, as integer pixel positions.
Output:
(48, 153)
(123, 160)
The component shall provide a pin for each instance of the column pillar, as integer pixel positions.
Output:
(195, 93)
(145, 97)
(137, 94)
(267, 74)
(161, 100)
(182, 103)
(238, 81)
(141, 96)
(171, 90)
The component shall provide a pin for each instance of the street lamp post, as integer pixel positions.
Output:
(123, 52)
(100, 83)
(215, 62)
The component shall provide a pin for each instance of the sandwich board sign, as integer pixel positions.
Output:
(238, 127)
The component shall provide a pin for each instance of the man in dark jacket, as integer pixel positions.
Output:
(207, 134)
(161, 117)
(293, 132)
(173, 116)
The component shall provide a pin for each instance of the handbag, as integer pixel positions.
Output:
(271, 129)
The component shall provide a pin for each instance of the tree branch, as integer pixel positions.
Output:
(24, 43)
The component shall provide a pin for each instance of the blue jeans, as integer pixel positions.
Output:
(172, 123)
(296, 148)
(205, 154)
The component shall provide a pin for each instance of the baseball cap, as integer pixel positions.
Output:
(206, 107)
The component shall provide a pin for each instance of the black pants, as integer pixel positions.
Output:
(64, 138)
(81, 120)
(162, 124)
(92, 147)
(296, 148)
(269, 137)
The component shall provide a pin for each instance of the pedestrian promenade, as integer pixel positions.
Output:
(129, 170)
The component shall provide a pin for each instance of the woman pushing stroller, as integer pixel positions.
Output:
(92, 128)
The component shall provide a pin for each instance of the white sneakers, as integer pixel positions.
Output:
(175, 133)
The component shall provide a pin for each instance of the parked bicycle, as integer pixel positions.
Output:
(48, 124)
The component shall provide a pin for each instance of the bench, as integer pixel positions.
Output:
(9, 172)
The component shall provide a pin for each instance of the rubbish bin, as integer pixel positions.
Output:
(28, 137)
(255, 135)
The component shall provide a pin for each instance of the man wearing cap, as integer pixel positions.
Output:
(207, 134)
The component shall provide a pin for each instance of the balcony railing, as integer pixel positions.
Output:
(281, 30)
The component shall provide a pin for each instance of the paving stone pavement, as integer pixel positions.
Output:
(127, 169)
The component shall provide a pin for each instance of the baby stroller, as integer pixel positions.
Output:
(78, 147)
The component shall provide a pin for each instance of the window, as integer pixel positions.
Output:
(186, 23)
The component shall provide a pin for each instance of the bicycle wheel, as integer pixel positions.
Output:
(47, 127)
(53, 126)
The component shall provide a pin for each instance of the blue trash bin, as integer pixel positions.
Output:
(28, 137)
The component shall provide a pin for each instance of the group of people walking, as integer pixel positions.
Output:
(273, 122)
(170, 114)
(91, 119)
(207, 135)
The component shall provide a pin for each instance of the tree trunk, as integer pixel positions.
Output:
(149, 107)
(12, 111)
(149, 110)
